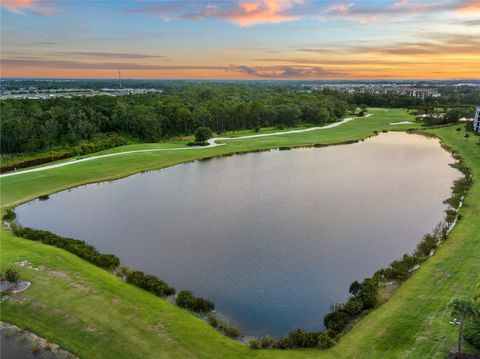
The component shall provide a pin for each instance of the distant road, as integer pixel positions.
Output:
(211, 143)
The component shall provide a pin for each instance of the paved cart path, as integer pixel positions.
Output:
(211, 143)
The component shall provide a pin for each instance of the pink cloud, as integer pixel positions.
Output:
(17, 6)
(249, 13)
(253, 12)
(20, 6)
(348, 11)
(469, 7)
(340, 9)
(400, 3)
(263, 12)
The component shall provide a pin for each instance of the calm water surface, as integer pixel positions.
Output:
(272, 238)
(17, 346)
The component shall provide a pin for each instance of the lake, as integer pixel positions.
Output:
(273, 238)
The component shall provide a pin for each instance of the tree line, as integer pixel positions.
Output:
(364, 294)
(35, 125)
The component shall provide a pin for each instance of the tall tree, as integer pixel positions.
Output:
(463, 308)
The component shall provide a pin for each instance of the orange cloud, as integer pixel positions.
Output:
(341, 9)
(20, 7)
(17, 6)
(470, 7)
(263, 12)
(401, 9)
(347, 11)
(249, 13)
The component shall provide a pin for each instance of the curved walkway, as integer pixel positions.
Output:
(211, 143)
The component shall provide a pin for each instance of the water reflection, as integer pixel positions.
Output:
(272, 238)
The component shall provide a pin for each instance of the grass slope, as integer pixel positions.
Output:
(95, 315)
(18, 189)
(415, 321)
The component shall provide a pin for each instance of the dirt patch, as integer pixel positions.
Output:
(386, 292)
(115, 301)
(67, 278)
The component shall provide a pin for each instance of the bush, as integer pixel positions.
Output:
(202, 134)
(471, 332)
(254, 344)
(12, 275)
(451, 215)
(109, 141)
(267, 342)
(149, 283)
(353, 307)
(229, 330)
(223, 326)
(364, 297)
(325, 340)
(461, 185)
(75, 246)
(302, 339)
(212, 320)
(9, 215)
(186, 299)
(195, 143)
(400, 269)
(426, 245)
(283, 343)
(367, 293)
(336, 321)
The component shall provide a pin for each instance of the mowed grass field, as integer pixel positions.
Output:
(96, 315)
(18, 189)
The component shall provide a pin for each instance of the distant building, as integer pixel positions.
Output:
(476, 121)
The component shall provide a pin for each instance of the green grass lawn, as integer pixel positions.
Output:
(18, 189)
(95, 315)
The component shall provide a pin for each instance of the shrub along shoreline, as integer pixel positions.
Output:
(337, 322)
(365, 294)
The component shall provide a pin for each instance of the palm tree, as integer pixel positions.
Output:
(463, 308)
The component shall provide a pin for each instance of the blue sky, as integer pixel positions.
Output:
(241, 39)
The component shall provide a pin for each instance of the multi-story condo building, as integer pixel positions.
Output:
(476, 121)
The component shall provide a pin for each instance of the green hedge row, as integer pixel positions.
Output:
(75, 246)
(104, 143)
(186, 299)
(223, 326)
(149, 283)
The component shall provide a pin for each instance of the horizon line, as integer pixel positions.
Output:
(237, 79)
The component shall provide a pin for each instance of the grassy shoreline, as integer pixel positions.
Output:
(19, 189)
(382, 333)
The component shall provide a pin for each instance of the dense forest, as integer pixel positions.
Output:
(32, 125)
(35, 125)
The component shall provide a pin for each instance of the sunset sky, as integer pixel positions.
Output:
(254, 39)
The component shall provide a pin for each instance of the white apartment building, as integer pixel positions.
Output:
(476, 120)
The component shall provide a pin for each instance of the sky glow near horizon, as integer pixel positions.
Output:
(254, 39)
